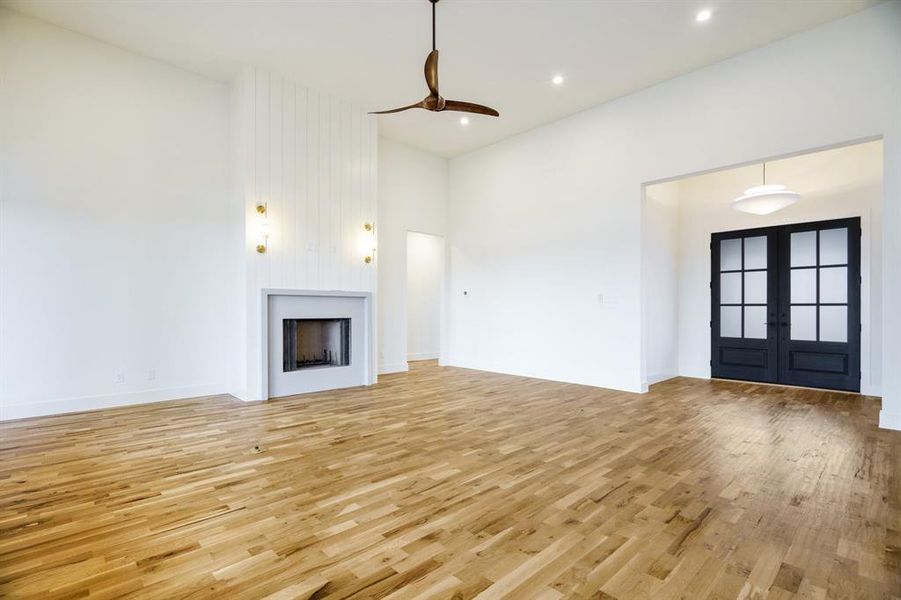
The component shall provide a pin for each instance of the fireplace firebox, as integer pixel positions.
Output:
(315, 343)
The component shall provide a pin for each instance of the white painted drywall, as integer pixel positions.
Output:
(425, 289)
(312, 160)
(412, 197)
(542, 223)
(660, 283)
(113, 225)
(838, 183)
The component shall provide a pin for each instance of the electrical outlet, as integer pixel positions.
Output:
(151, 375)
(120, 377)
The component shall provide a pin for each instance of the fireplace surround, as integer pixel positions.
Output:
(315, 340)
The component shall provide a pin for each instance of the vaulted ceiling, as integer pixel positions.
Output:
(501, 53)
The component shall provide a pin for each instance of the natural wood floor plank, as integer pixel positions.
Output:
(449, 483)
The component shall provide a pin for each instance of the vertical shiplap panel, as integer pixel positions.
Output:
(347, 216)
(260, 262)
(289, 184)
(335, 197)
(313, 161)
(364, 199)
(359, 172)
(325, 111)
(371, 159)
(301, 217)
(276, 192)
(313, 189)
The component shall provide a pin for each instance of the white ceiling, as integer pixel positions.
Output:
(496, 52)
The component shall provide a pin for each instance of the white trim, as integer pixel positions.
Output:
(371, 370)
(423, 356)
(889, 420)
(394, 368)
(86, 403)
(658, 377)
(490, 368)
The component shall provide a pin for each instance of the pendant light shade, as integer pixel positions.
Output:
(765, 199)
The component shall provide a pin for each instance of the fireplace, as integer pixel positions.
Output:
(315, 343)
(316, 340)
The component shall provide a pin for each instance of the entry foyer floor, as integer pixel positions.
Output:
(450, 483)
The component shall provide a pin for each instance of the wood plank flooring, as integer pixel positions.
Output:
(449, 483)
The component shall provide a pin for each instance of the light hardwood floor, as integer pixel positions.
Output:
(448, 483)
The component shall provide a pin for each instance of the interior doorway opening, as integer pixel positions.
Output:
(679, 221)
(425, 293)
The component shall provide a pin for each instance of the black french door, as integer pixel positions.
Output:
(786, 304)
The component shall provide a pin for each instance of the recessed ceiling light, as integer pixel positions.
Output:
(704, 15)
(464, 120)
(557, 80)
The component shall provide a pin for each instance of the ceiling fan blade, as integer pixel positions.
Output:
(431, 72)
(469, 107)
(419, 104)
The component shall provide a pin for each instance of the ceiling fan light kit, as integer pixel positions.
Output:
(434, 101)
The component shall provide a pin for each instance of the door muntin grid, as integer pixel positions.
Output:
(818, 285)
(743, 288)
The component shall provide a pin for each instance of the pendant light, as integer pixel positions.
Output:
(765, 199)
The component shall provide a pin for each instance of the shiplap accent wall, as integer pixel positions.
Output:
(312, 159)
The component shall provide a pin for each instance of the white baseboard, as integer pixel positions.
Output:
(491, 368)
(394, 368)
(423, 356)
(889, 420)
(658, 377)
(84, 403)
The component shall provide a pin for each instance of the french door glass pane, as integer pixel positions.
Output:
(755, 322)
(834, 246)
(755, 287)
(804, 323)
(833, 323)
(834, 285)
(730, 321)
(730, 288)
(755, 252)
(730, 255)
(803, 286)
(804, 249)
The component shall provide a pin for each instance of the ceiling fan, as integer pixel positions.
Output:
(434, 102)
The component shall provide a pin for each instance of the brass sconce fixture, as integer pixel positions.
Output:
(369, 243)
(263, 241)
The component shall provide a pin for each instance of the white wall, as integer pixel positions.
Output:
(838, 183)
(312, 159)
(544, 222)
(425, 290)
(413, 188)
(113, 225)
(660, 283)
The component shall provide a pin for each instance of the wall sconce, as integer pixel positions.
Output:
(368, 243)
(263, 235)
